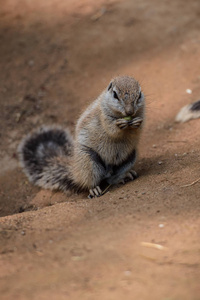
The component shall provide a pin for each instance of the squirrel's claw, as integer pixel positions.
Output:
(135, 123)
(131, 175)
(95, 192)
(122, 123)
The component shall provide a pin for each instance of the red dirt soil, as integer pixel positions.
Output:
(56, 56)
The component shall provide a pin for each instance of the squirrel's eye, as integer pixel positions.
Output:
(115, 95)
(139, 97)
(110, 85)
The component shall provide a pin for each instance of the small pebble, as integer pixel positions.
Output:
(127, 273)
(160, 162)
(188, 91)
(31, 63)
(161, 225)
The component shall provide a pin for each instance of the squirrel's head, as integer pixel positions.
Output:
(124, 96)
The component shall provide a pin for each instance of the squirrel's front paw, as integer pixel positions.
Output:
(122, 123)
(136, 122)
(95, 192)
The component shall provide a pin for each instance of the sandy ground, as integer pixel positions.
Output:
(55, 57)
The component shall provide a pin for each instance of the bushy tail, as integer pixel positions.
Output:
(188, 112)
(45, 156)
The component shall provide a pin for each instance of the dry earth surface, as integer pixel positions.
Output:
(55, 57)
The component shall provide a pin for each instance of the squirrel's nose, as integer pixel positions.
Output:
(129, 110)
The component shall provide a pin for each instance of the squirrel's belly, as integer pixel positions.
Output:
(115, 154)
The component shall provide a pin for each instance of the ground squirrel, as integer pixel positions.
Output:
(103, 151)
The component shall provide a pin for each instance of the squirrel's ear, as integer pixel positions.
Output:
(110, 85)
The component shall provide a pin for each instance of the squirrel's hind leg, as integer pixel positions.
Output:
(124, 170)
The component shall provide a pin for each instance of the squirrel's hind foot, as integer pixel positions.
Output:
(99, 190)
(95, 192)
(129, 176)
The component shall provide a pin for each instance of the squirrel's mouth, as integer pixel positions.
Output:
(128, 118)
